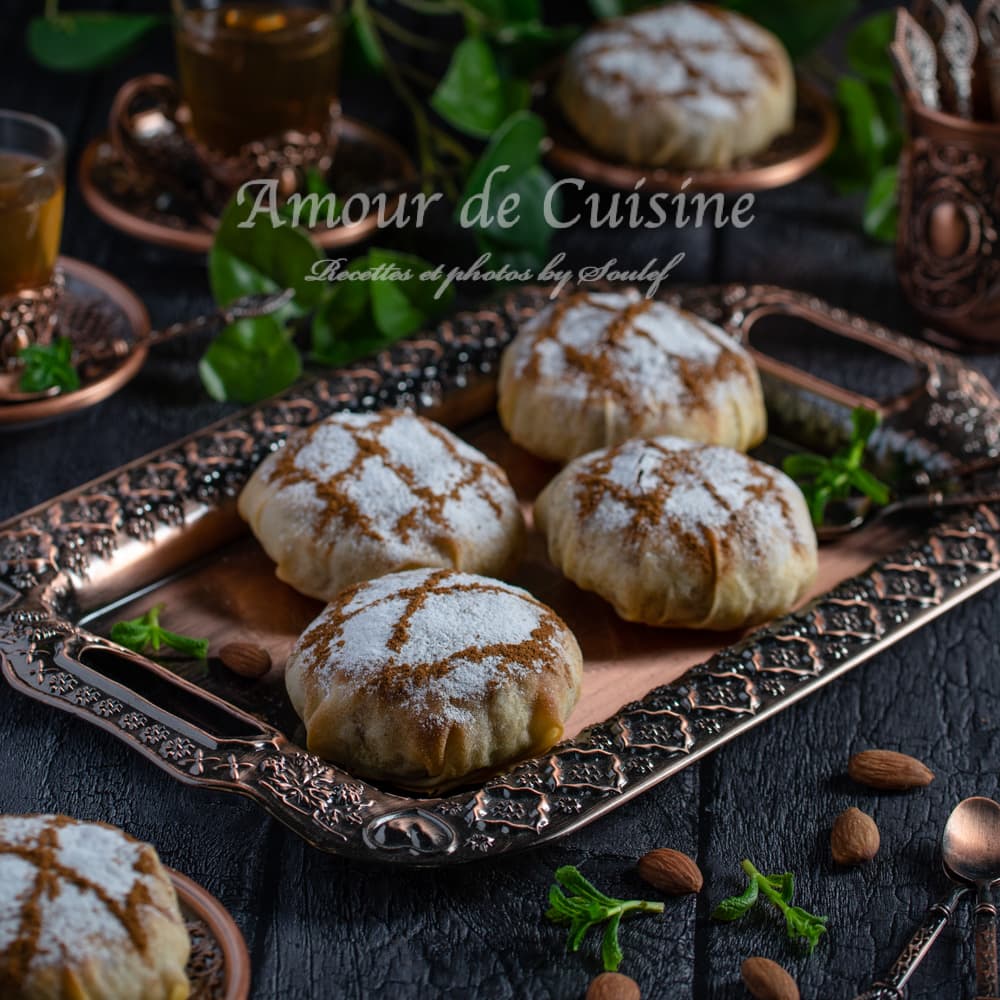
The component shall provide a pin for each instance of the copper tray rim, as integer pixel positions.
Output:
(591, 165)
(48, 551)
(191, 240)
(19, 415)
(227, 934)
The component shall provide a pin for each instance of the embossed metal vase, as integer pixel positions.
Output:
(947, 247)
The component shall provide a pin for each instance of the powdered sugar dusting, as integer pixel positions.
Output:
(437, 641)
(706, 59)
(587, 347)
(393, 474)
(674, 490)
(87, 866)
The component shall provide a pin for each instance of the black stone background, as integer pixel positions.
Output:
(318, 927)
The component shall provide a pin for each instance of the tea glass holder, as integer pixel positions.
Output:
(29, 317)
(948, 247)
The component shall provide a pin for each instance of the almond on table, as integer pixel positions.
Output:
(888, 770)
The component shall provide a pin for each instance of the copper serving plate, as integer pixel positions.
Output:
(164, 528)
(789, 158)
(219, 966)
(95, 307)
(367, 159)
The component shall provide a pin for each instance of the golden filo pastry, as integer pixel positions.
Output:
(362, 494)
(674, 533)
(86, 913)
(595, 369)
(426, 677)
(682, 85)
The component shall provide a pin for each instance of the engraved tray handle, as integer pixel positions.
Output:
(67, 554)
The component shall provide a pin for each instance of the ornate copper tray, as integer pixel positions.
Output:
(164, 528)
(367, 160)
(789, 158)
(219, 966)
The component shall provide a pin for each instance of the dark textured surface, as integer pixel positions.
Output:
(317, 927)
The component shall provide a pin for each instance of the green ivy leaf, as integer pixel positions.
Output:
(516, 147)
(362, 31)
(263, 258)
(881, 215)
(250, 360)
(472, 95)
(868, 48)
(800, 24)
(87, 40)
(359, 317)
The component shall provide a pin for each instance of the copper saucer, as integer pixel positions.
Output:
(95, 306)
(219, 966)
(789, 158)
(367, 160)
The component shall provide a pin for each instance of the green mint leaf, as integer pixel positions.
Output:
(737, 906)
(864, 423)
(249, 361)
(868, 48)
(800, 923)
(196, 649)
(881, 212)
(48, 366)
(588, 907)
(145, 632)
(864, 482)
(87, 40)
(804, 466)
(783, 884)
(472, 96)
(611, 949)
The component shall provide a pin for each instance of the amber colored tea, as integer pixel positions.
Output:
(31, 211)
(253, 71)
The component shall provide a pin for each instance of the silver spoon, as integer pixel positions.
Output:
(246, 307)
(862, 514)
(966, 845)
(971, 849)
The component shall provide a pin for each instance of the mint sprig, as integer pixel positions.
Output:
(800, 924)
(146, 632)
(588, 907)
(48, 366)
(823, 480)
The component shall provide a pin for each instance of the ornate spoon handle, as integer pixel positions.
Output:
(987, 987)
(892, 986)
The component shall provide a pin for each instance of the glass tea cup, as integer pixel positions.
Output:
(250, 71)
(32, 192)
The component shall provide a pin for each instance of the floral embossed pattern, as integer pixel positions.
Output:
(45, 555)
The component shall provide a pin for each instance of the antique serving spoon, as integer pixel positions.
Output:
(970, 853)
(246, 307)
(971, 850)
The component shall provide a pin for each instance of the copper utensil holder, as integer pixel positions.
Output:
(949, 211)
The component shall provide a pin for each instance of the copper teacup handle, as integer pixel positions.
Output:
(164, 96)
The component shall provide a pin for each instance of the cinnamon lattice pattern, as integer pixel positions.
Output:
(43, 553)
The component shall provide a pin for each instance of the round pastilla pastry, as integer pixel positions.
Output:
(362, 494)
(86, 913)
(425, 677)
(682, 85)
(596, 369)
(676, 533)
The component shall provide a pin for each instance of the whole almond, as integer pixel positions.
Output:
(854, 838)
(613, 986)
(246, 658)
(672, 872)
(766, 980)
(888, 770)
